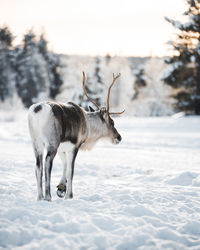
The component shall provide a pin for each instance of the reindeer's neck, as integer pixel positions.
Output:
(96, 130)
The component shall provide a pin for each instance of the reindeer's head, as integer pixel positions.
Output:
(105, 115)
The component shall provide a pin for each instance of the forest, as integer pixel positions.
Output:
(149, 86)
(29, 69)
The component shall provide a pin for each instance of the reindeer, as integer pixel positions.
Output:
(65, 128)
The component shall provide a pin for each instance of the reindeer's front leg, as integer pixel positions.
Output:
(61, 191)
(70, 172)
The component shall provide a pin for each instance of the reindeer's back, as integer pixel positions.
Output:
(66, 120)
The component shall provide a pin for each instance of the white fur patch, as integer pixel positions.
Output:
(41, 120)
(66, 147)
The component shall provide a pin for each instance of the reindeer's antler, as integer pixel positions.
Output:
(86, 92)
(108, 97)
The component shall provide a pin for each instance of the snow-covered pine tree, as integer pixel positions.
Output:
(108, 58)
(54, 66)
(140, 80)
(94, 87)
(31, 71)
(98, 82)
(6, 57)
(183, 72)
(57, 80)
(82, 99)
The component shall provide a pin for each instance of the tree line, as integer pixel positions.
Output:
(29, 68)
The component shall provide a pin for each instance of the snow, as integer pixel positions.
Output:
(142, 194)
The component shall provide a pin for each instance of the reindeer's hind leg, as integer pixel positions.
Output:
(39, 174)
(38, 149)
(51, 153)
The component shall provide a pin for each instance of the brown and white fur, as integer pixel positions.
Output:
(64, 129)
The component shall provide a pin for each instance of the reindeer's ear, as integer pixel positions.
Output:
(91, 109)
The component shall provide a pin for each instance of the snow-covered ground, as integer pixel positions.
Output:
(142, 194)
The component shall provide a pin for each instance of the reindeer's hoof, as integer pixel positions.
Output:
(40, 197)
(47, 198)
(69, 196)
(61, 191)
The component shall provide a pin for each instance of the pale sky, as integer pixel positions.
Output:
(91, 27)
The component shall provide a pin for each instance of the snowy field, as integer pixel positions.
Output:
(142, 194)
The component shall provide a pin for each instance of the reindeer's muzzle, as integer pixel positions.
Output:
(118, 139)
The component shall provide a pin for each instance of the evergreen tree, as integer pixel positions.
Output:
(108, 58)
(42, 46)
(56, 79)
(183, 72)
(98, 83)
(31, 71)
(94, 87)
(82, 99)
(140, 80)
(54, 66)
(6, 56)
